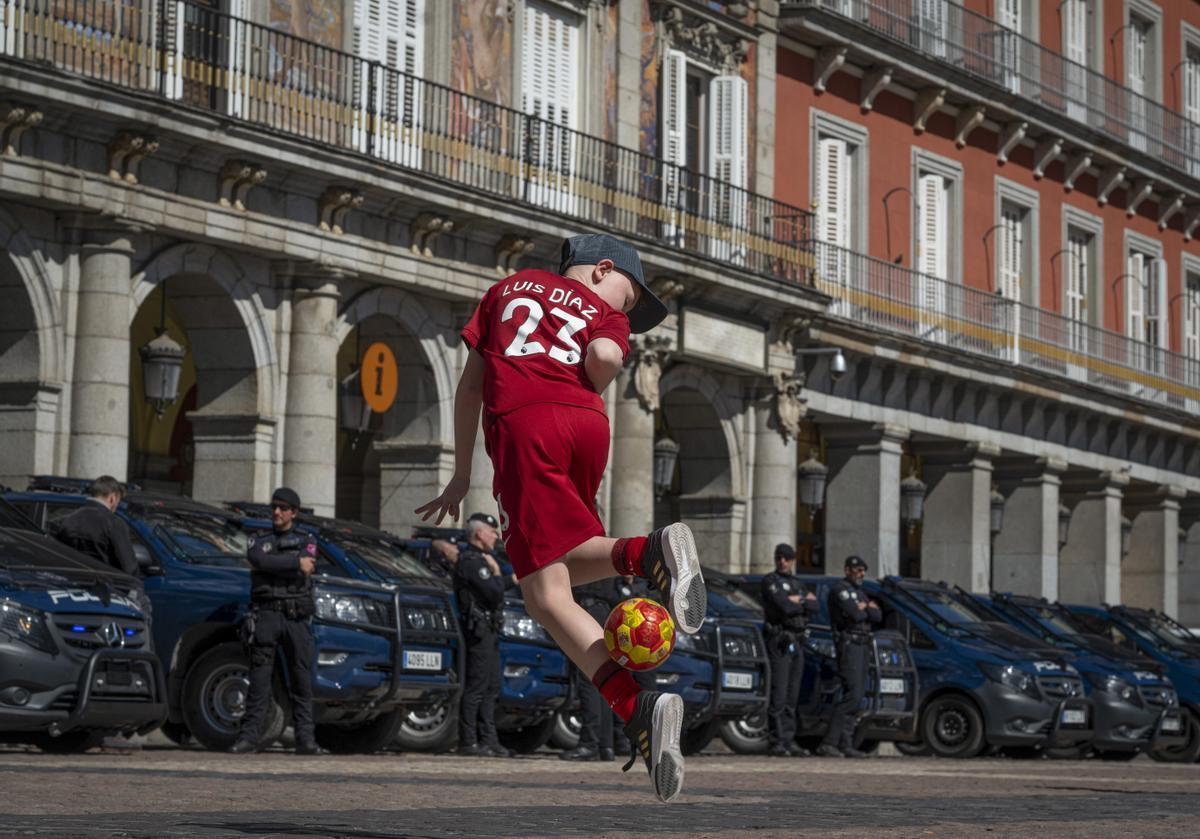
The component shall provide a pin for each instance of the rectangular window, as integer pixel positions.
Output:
(390, 35)
(1191, 104)
(1191, 316)
(1013, 221)
(932, 24)
(1141, 68)
(1145, 305)
(1077, 273)
(549, 92)
(1074, 15)
(834, 189)
(933, 258)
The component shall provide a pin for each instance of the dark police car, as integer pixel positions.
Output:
(1135, 703)
(193, 557)
(75, 659)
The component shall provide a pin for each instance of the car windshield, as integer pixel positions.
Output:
(385, 559)
(1162, 630)
(725, 597)
(948, 607)
(203, 539)
(10, 516)
(1053, 620)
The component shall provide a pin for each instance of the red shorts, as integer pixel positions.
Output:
(548, 462)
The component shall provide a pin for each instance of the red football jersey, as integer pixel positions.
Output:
(533, 330)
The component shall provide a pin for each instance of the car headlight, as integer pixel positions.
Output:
(1013, 677)
(28, 626)
(341, 607)
(686, 643)
(1118, 687)
(522, 627)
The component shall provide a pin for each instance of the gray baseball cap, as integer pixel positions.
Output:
(590, 248)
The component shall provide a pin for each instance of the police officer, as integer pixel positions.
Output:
(787, 607)
(479, 585)
(852, 615)
(281, 610)
(95, 529)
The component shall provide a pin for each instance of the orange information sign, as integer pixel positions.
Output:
(379, 378)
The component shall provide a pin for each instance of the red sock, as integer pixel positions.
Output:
(627, 556)
(618, 688)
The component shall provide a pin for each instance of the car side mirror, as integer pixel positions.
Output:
(145, 561)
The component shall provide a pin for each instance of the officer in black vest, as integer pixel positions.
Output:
(479, 585)
(787, 609)
(281, 610)
(852, 615)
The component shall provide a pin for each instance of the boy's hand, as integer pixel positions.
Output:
(447, 502)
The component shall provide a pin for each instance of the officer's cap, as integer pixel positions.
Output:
(286, 495)
(486, 518)
(784, 551)
(856, 562)
(590, 248)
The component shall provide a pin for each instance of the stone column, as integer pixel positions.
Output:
(28, 420)
(764, 100)
(1189, 561)
(233, 457)
(629, 73)
(776, 426)
(99, 436)
(1025, 560)
(310, 423)
(1089, 569)
(862, 498)
(1150, 573)
(631, 508)
(956, 528)
(410, 475)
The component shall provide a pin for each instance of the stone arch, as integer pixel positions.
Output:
(717, 412)
(30, 316)
(223, 312)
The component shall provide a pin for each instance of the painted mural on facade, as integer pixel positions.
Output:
(321, 21)
(648, 116)
(482, 43)
(611, 29)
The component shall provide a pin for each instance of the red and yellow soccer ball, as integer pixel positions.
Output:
(639, 634)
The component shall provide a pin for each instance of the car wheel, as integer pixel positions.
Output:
(428, 729)
(1076, 752)
(214, 699)
(747, 735)
(567, 726)
(952, 727)
(361, 738)
(694, 740)
(177, 733)
(917, 749)
(1189, 750)
(530, 738)
(73, 742)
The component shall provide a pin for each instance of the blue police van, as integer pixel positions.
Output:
(1136, 707)
(1164, 640)
(193, 559)
(888, 711)
(983, 683)
(75, 657)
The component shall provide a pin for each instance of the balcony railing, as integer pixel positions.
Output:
(200, 58)
(897, 299)
(979, 45)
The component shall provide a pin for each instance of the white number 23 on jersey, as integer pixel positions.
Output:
(566, 349)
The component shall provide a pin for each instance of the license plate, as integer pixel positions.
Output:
(738, 681)
(422, 660)
(1071, 716)
(1171, 724)
(891, 686)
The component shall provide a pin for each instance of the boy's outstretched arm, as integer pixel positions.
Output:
(468, 402)
(604, 361)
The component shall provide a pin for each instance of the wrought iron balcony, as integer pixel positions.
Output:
(979, 46)
(203, 59)
(968, 320)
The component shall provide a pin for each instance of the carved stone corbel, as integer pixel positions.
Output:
(649, 358)
(788, 331)
(928, 101)
(126, 151)
(1141, 191)
(1047, 152)
(333, 206)
(968, 120)
(667, 288)
(1168, 209)
(1110, 179)
(829, 59)
(425, 228)
(873, 82)
(1010, 137)
(1077, 164)
(788, 404)
(15, 120)
(509, 250)
(236, 179)
(1190, 220)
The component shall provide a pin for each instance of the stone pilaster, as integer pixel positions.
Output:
(629, 73)
(1026, 549)
(955, 530)
(1150, 573)
(862, 498)
(1089, 568)
(1189, 561)
(410, 475)
(777, 418)
(310, 423)
(636, 398)
(233, 457)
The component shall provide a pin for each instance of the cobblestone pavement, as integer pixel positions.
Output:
(167, 792)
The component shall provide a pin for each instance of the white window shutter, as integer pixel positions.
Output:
(1075, 31)
(1009, 14)
(239, 13)
(1191, 317)
(727, 130)
(1138, 35)
(674, 108)
(1191, 86)
(549, 62)
(1135, 316)
(1012, 251)
(932, 221)
(833, 192)
(1157, 303)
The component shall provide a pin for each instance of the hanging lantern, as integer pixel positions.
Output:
(1126, 536)
(666, 454)
(355, 413)
(1064, 525)
(912, 500)
(996, 518)
(162, 364)
(812, 477)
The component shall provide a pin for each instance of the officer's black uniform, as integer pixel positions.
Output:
(95, 530)
(785, 631)
(480, 594)
(852, 636)
(281, 598)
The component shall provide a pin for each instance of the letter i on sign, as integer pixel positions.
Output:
(380, 378)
